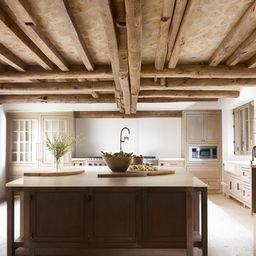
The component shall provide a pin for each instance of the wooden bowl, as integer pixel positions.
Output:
(118, 164)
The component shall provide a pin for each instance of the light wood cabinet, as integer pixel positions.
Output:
(237, 182)
(202, 127)
(26, 135)
(242, 123)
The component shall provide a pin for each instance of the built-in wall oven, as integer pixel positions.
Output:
(200, 153)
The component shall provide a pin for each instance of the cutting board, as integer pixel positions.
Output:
(50, 173)
(134, 174)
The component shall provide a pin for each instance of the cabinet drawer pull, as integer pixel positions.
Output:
(230, 185)
(237, 186)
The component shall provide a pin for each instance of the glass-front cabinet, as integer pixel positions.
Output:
(26, 140)
(243, 129)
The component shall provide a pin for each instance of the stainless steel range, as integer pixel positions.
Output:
(98, 161)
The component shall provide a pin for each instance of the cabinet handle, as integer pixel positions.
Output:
(230, 185)
(237, 186)
(243, 193)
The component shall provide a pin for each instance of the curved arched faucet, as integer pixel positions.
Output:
(125, 138)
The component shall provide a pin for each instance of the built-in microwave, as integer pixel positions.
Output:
(199, 153)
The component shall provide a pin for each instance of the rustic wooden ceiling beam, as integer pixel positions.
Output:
(185, 94)
(120, 23)
(197, 84)
(246, 49)
(199, 71)
(165, 21)
(147, 71)
(76, 34)
(171, 100)
(191, 12)
(252, 62)
(57, 88)
(23, 14)
(180, 6)
(109, 27)
(39, 57)
(134, 38)
(13, 99)
(9, 58)
(237, 35)
(98, 73)
(115, 114)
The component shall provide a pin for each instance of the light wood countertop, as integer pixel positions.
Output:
(89, 179)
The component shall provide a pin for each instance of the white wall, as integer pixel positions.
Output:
(2, 152)
(149, 136)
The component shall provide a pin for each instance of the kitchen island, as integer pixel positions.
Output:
(87, 215)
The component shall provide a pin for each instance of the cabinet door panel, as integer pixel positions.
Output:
(113, 215)
(57, 216)
(164, 218)
(211, 128)
(194, 127)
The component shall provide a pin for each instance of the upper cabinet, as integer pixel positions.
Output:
(202, 127)
(243, 129)
(27, 133)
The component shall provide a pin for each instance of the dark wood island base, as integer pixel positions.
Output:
(77, 221)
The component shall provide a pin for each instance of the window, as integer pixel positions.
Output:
(243, 129)
(23, 140)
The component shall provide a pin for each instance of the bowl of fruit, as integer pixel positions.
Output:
(137, 159)
(117, 162)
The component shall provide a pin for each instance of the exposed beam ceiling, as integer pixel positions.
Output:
(180, 6)
(40, 58)
(114, 51)
(243, 51)
(199, 71)
(115, 114)
(134, 36)
(161, 51)
(76, 34)
(237, 35)
(172, 100)
(147, 71)
(10, 99)
(9, 58)
(197, 84)
(188, 94)
(57, 87)
(21, 10)
(191, 12)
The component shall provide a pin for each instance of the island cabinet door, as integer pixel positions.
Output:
(114, 217)
(164, 218)
(58, 216)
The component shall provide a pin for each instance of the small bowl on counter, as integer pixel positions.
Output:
(137, 160)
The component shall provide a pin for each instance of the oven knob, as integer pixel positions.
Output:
(80, 164)
(95, 164)
(162, 164)
(89, 164)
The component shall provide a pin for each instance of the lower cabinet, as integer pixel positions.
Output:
(163, 218)
(237, 183)
(112, 217)
(57, 216)
(208, 174)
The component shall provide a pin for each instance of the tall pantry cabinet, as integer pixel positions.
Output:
(26, 149)
(203, 128)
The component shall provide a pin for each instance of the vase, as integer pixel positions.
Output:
(58, 164)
